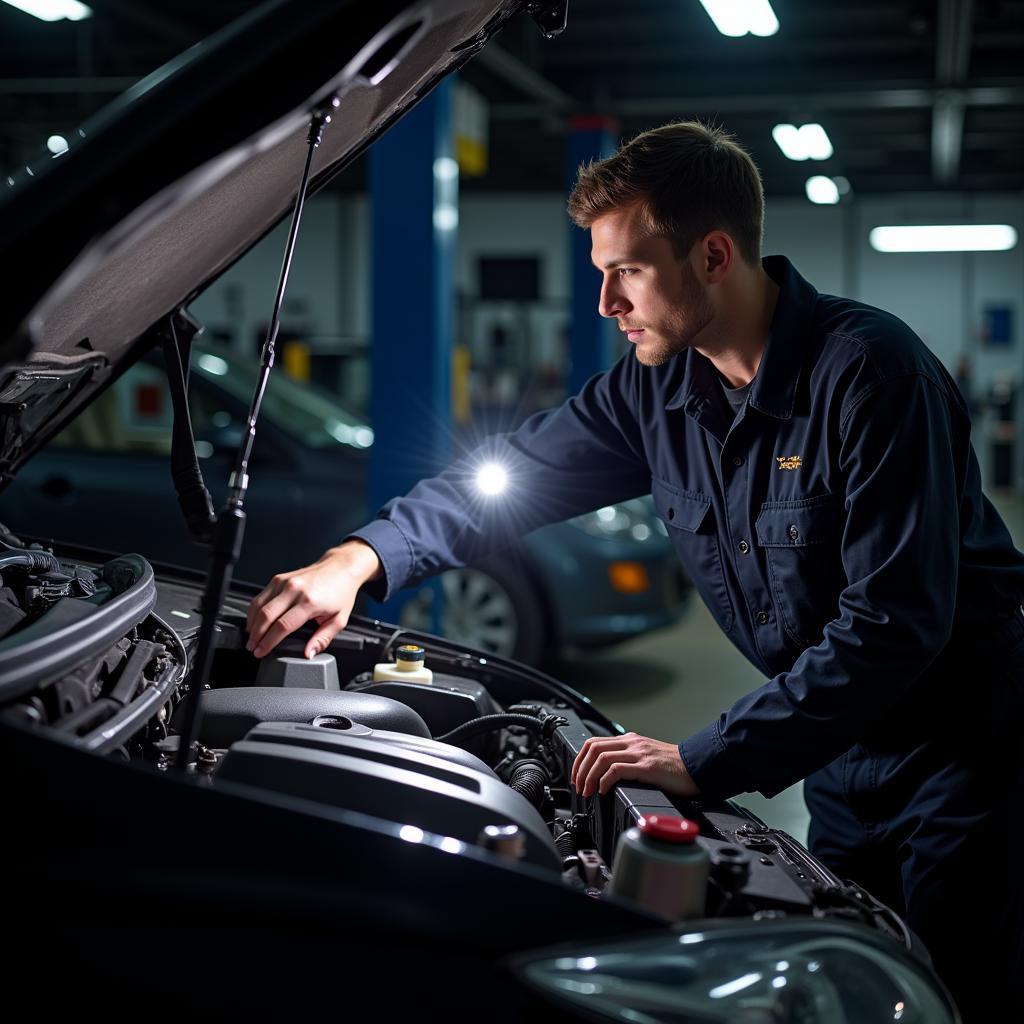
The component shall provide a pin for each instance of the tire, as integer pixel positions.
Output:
(486, 609)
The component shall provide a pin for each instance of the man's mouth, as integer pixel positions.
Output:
(635, 335)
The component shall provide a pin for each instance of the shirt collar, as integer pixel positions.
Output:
(774, 389)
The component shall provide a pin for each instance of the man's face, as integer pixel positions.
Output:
(655, 297)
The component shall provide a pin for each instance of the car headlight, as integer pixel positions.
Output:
(750, 972)
(628, 519)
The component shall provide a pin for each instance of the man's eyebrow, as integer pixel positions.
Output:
(617, 262)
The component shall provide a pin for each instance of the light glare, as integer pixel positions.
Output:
(446, 218)
(821, 189)
(491, 479)
(730, 988)
(445, 168)
(57, 144)
(212, 364)
(761, 19)
(53, 10)
(736, 18)
(808, 142)
(943, 238)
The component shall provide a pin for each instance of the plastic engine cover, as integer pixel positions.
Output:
(388, 780)
(228, 714)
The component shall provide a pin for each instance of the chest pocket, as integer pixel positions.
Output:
(801, 543)
(691, 527)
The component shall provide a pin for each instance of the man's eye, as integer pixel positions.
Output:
(626, 271)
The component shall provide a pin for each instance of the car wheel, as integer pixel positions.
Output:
(500, 615)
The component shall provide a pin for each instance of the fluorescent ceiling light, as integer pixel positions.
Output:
(808, 142)
(738, 17)
(944, 238)
(821, 189)
(53, 10)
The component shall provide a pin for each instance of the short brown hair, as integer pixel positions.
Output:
(690, 177)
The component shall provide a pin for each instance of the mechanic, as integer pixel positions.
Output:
(811, 460)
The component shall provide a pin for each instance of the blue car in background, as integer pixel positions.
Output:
(594, 580)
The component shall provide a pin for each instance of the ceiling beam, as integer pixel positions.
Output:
(853, 99)
(952, 57)
(519, 74)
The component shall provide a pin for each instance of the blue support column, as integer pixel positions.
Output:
(414, 197)
(591, 337)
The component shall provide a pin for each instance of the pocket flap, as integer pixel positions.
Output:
(794, 524)
(684, 510)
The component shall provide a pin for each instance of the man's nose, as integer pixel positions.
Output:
(611, 302)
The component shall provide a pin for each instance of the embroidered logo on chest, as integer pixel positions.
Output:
(789, 461)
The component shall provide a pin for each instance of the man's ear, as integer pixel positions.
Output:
(718, 251)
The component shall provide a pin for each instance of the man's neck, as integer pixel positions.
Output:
(741, 329)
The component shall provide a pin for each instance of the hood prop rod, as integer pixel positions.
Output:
(227, 543)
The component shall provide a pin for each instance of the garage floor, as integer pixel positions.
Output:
(670, 683)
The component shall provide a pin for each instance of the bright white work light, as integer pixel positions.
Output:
(53, 10)
(738, 17)
(57, 144)
(491, 479)
(820, 189)
(943, 238)
(808, 142)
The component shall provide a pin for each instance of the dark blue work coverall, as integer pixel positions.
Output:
(837, 531)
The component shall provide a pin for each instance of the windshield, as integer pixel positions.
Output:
(298, 407)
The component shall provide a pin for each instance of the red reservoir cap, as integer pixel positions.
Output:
(668, 828)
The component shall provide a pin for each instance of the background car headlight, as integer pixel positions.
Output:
(748, 972)
(634, 519)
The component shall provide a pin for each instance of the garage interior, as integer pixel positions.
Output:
(923, 106)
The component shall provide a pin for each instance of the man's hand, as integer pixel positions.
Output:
(324, 591)
(605, 760)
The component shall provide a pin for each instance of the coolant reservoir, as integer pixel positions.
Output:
(407, 668)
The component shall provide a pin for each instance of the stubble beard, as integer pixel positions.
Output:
(691, 313)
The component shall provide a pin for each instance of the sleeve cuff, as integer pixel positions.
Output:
(714, 769)
(395, 554)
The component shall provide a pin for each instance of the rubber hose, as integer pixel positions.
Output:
(41, 561)
(529, 779)
(565, 844)
(490, 723)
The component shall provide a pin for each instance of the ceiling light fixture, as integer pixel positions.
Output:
(822, 190)
(53, 10)
(808, 142)
(738, 17)
(943, 238)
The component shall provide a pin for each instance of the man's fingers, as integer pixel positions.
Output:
(285, 625)
(273, 590)
(602, 764)
(256, 606)
(590, 749)
(618, 772)
(325, 634)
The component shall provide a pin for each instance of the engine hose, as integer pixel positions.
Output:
(530, 779)
(40, 561)
(565, 844)
(491, 723)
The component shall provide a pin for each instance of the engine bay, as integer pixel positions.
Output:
(98, 655)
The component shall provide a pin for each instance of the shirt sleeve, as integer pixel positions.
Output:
(561, 463)
(900, 549)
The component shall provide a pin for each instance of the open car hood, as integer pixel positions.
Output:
(184, 173)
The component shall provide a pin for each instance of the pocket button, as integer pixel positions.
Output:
(762, 618)
(744, 547)
(794, 533)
